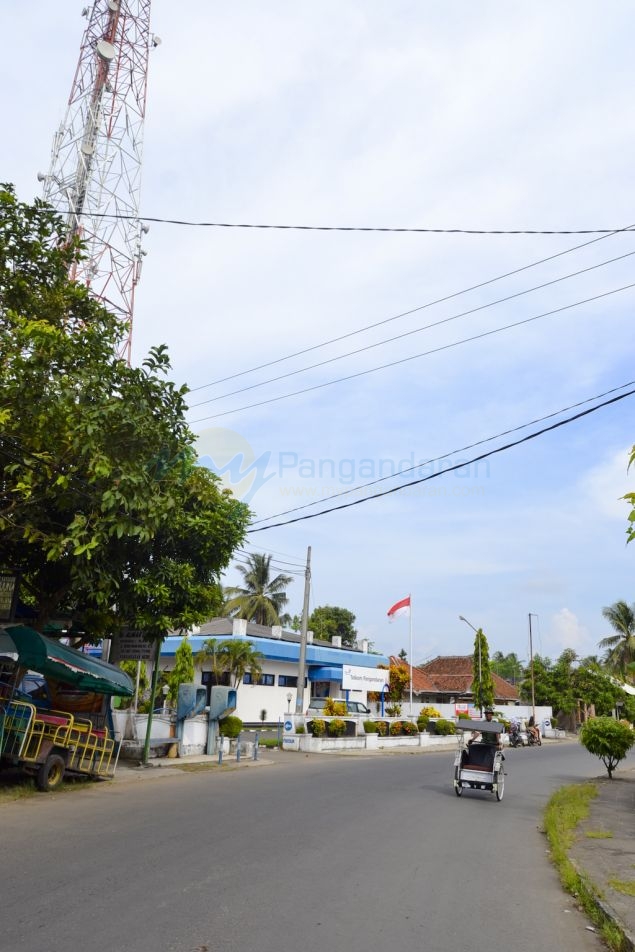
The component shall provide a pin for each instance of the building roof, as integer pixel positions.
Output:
(453, 675)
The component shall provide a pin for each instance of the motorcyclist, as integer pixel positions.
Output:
(533, 729)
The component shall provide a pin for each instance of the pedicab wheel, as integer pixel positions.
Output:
(458, 789)
(51, 773)
(500, 783)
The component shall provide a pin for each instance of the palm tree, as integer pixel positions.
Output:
(620, 646)
(231, 656)
(262, 598)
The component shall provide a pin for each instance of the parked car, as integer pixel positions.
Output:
(317, 705)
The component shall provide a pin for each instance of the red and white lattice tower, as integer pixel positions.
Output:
(94, 179)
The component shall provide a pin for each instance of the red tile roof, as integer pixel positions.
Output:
(453, 675)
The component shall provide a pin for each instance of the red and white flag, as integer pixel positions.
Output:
(399, 609)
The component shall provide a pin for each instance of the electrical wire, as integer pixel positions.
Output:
(437, 459)
(421, 307)
(450, 469)
(427, 353)
(416, 330)
(360, 228)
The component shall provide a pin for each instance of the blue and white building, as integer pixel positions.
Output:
(331, 670)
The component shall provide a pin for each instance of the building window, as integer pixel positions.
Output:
(209, 678)
(267, 679)
(287, 681)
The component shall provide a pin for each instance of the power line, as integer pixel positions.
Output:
(416, 330)
(363, 228)
(416, 482)
(426, 353)
(436, 459)
(421, 307)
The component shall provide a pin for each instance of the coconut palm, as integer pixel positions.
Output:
(620, 646)
(230, 656)
(262, 598)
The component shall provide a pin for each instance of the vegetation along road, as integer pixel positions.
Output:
(315, 853)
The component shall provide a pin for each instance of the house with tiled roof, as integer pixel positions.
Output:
(448, 680)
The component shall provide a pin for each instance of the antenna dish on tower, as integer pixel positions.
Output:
(106, 50)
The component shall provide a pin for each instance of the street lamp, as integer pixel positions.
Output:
(480, 696)
(289, 699)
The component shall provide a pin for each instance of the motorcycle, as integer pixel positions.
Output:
(516, 738)
(534, 739)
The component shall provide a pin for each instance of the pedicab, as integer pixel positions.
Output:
(55, 711)
(478, 766)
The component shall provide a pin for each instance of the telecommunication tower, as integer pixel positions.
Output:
(94, 180)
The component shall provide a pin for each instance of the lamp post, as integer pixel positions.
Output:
(480, 696)
(289, 699)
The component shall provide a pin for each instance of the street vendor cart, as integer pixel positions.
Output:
(55, 711)
(478, 766)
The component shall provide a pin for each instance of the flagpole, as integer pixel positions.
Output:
(410, 615)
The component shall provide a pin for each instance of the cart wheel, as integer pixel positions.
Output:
(51, 773)
(458, 789)
(500, 784)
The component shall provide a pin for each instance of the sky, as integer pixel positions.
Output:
(489, 116)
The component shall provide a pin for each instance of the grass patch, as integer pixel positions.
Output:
(628, 888)
(599, 834)
(566, 808)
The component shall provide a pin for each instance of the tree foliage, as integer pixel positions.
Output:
(630, 498)
(620, 647)
(507, 666)
(608, 739)
(232, 657)
(569, 681)
(183, 670)
(329, 620)
(103, 510)
(261, 598)
(482, 681)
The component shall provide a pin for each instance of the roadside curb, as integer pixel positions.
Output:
(604, 908)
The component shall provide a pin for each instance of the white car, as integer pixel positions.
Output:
(317, 705)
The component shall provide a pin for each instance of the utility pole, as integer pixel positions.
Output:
(299, 697)
(531, 668)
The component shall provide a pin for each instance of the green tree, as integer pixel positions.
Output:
(620, 646)
(102, 508)
(327, 621)
(183, 670)
(482, 681)
(608, 739)
(630, 498)
(232, 657)
(403, 655)
(262, 598)
(507, 666)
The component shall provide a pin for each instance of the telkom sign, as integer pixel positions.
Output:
(363, 679)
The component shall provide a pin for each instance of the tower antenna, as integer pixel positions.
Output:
(94, 180)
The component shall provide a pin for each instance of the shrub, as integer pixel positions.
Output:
(333, 708)
(336, 727)
(395, 729)
(445, 727)
(429, 711)
(370, 727)
(300, 729)
(393, 710)
(317, 727)
(463, 716)
(230, 726)
(382, 728)
(422, 723)
(608, 739)
(270, 743)
(408, 727)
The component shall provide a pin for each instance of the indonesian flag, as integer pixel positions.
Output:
(399, 609)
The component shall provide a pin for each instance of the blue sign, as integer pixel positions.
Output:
(288, 726)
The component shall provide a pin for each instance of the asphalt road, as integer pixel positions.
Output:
(354, 853)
